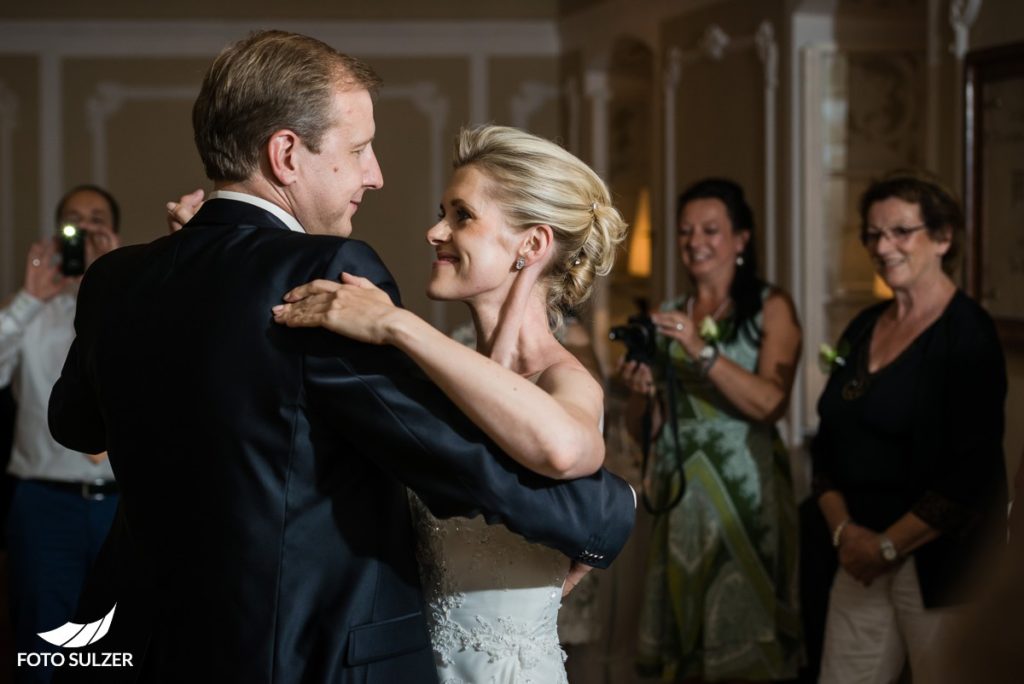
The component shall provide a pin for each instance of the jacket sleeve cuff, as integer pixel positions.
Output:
(23, 308)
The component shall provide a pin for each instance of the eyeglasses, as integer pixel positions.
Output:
(898, 235)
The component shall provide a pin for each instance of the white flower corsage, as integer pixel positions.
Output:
(709, 330)
(829, 357)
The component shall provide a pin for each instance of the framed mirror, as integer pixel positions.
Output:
(994, 184)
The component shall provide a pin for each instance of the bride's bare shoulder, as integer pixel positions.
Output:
(566, 372)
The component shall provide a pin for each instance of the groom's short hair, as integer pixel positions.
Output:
(269, 81)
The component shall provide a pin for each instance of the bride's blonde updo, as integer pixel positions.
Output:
(537, 182)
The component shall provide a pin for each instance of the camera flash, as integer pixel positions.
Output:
(69, 231)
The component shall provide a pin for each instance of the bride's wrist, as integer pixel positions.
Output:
(398, 327)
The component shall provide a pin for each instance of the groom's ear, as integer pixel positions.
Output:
(282, 156)
(537, 243)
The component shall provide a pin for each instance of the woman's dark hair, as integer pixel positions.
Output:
(115, 210)
(746, 287)
(940, 210)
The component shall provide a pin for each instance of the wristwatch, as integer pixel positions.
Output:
(707, 357)
(889, 553)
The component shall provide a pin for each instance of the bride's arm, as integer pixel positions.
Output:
(551, 427)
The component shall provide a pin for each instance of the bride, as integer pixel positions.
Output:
(524, 228)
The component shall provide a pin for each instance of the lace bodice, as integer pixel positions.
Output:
(493, 602)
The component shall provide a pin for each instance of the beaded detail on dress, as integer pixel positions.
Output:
(492, 600)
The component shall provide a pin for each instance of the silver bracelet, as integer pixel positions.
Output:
(707, 357)
(838, 532)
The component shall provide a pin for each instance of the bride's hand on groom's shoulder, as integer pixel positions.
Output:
(355, 308)
(181, 212)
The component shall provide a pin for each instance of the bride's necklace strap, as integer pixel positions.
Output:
(716, 315)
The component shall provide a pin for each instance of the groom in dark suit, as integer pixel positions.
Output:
(264, 534)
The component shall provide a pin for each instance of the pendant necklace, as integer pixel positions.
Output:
(719, 310)
(856, 386)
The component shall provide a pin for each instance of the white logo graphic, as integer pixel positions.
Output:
(74, 635)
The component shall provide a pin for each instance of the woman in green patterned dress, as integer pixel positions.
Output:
(721, 594)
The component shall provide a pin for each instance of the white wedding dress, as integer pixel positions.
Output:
(492, 600)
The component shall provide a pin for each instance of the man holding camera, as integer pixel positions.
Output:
(64, 501)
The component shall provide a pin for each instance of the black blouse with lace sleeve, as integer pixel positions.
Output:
(922, 434)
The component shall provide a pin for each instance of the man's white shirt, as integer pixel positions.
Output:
(286, 218)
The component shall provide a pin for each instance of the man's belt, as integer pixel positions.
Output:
(94, 491)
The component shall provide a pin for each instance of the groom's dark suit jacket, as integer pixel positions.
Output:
(264, 534)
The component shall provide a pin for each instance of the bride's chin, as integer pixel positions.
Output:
(437, 294)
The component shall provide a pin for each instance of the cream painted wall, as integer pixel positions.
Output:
(999, 22)
(720, 104)
(414, 134)
(491, 69)
(273, 10)
(115, 102)
(127, 126)
(20, 222)
(525, 92)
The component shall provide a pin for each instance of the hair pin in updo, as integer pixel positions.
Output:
(593, 206)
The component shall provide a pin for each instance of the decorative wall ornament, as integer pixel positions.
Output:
(109, 98)
(479, 88)
(532, 95)
(425, 96)
(962, 14)
(8, 122)
(673, 68)
(598, 91)
(672, 73)
(571, 92)
(768, 53)
(884, 117)
(51, 135)
(715, 44)
(427, 99)
(55, 42)
(875, 5)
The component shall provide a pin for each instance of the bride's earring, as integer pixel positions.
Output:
(520, 262)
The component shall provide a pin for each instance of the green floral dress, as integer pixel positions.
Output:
(721, 593)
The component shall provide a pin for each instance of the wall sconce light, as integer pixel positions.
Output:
(880, 289)
(639, 265)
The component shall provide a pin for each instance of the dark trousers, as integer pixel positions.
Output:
(53, 537)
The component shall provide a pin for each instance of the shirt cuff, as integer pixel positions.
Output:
(634, 496)
(23, 308)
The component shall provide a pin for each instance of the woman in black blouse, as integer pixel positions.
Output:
(908, 459)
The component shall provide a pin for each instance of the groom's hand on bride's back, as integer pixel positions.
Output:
(576, 573)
